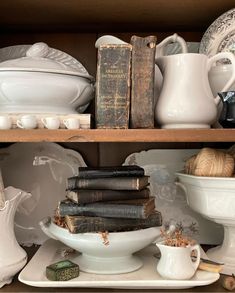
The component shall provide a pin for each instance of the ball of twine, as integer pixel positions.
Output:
(210, 162)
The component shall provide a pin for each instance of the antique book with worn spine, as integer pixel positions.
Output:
(142, 77)
(83, 224)
(117, 183)
(83, 196)
(110, 171)
(112, 101)
(134, 209)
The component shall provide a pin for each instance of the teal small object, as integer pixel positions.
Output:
(63, 270)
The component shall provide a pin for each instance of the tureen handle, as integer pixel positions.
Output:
(38, 50)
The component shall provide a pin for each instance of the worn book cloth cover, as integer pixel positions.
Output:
(106, 172)
(83, 224)
(117, 183)
(142, 86)
(135, 209)
(82, 196)
(112, 101)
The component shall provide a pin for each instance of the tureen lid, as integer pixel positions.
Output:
(40, 57)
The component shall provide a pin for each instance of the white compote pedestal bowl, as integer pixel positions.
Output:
(214, 198)
(114, 258)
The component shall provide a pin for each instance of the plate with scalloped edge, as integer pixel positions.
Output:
(42, 169)
(220, 35)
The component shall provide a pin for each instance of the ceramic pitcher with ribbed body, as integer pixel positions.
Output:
(12, 256)
(186, 99)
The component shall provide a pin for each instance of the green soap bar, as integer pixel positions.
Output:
(63, 270)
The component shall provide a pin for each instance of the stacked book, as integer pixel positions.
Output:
(108, 199)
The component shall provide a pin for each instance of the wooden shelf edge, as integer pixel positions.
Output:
(118, 135)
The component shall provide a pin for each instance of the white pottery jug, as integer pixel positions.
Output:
(175, 262)
(186, 99)
(12, 256)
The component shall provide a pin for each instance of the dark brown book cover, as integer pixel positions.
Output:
(135, 209)
(83, 224)
(83, 196)
(142, 77)
(117, 183)
(112, 101)
(110, 171)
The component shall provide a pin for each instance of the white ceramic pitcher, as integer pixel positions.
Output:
(186, 99)
(12, 256)
(176, 263)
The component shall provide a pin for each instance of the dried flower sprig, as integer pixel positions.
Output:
(176, 238)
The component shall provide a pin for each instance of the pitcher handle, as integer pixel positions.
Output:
(212, 60)
(171, 39)
(197, 262)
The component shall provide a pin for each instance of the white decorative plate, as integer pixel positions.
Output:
(146, 277)
(220, 36)
(42, 169)
(161, 166)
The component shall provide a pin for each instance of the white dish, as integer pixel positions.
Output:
(214, 199)
(220, 35)
(45, 93)
(161, 165)
(115, 257)
(42, 169)
(146, 277)
(41, 79)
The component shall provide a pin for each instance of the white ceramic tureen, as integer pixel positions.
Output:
(40, 79)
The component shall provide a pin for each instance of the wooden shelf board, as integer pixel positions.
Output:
(117, 135)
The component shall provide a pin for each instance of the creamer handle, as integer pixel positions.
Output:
(197, 262)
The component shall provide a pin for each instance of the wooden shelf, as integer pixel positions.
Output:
(116, 135)
(105, 15)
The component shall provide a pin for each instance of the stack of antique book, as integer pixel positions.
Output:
(108, 199)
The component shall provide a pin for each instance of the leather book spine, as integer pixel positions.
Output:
(112, 101)
(83, 224)
(118, 183)
(142, 76)
(106, 172)
(109, 210)
(83, 196)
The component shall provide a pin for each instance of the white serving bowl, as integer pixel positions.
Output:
(43, 92)
(96, 257)
(214, 198)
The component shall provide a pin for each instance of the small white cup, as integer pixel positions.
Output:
(5, 122)
(27, 122)
(71, 123)
(51, 122)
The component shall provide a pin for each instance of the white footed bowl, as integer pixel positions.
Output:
(96, 257)
(43, 92)
(214, 198)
